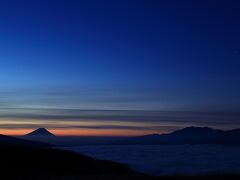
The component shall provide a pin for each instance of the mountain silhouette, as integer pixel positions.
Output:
(40, 132)
(21, 162)
(188, 135)
(25, 159)
(12, 141)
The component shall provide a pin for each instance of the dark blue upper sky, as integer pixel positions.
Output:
(126, 54)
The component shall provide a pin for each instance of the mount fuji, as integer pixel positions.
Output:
(40, 132)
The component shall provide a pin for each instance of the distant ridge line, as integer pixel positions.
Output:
(188, 135)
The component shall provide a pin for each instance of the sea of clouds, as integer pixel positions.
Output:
(169, 160)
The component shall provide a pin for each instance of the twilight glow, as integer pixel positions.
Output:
(118, 68)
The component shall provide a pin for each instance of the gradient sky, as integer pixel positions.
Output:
(123, 67)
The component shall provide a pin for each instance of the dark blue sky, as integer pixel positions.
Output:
(167, 55)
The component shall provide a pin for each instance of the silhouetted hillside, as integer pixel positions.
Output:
(188, 135)
(18, 162)
(44, 164)
(12, 141)
(21, 160)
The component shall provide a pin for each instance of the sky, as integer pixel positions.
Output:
(124, 67)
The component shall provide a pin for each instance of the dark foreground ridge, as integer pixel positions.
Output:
(12, 141)
(24, 159)
(52, 164)
(42, 163)
(21, 160)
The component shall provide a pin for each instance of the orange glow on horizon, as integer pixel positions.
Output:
(98, 132)
(14, 132)
(81, 132)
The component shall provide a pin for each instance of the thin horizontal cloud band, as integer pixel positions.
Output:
(127, 120)
(132, 120)
(62, 114)
(112, 127)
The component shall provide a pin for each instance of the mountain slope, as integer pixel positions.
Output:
(40, 132)
(189, 135)
(12, 141)
(38, 163)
